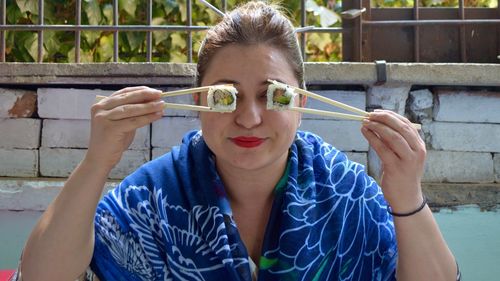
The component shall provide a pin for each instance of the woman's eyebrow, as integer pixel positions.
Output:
(226, 81)
(275, 79)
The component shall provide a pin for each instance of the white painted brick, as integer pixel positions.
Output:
(36, 194)
(20, 133)
(17, 103)
(168, 131)
(183, 99)
(18, 163)
(344, 135)
(131, 160)
(496, 160)
(472, 106)
(60, 162)
(448, 166)
(158, 151)
(421, 102)
(391, 97)
(76, 133)
(67, 103)
(465, 137)
(353, 98)
(358, 157)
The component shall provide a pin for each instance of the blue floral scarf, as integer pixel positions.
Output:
(170, 220)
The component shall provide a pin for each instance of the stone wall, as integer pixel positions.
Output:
(44, 126)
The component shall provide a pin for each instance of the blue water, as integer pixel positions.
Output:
(473, 236)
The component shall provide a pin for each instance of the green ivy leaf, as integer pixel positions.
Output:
(107, 11)
(51, 41)
(93, 12)
(319, 39)
(31, 45)
(128, 6)
(178, 41)
(28, 6)
(135, 40)
(13, 14)
(105, 52)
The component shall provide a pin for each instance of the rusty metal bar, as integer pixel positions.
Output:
(32, 27)
(358, 39)
(461, 13)
(431, 22)
(416, 32)
(78, 32)
(303, 16)
(171, 28)
(149, 36)
(365, 11)
(189, 33)
(3, 21)
(40, 32)
(212, 7)
(115, 32)
(224, 6)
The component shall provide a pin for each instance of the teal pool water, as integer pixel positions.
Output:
(473, 236)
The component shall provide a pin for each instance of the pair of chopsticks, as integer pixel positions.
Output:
(178, 93)
(360, 114)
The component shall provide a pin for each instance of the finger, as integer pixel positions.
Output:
(133, 123)
(391, 138)
(386, 155)
(141, 95)
(134, 110)
(128, 89)
(399, 124)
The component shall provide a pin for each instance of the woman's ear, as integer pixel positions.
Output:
(303, 100)
(196, 98)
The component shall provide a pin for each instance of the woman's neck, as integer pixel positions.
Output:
(250, 186)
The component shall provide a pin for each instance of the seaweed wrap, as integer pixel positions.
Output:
(222, 98)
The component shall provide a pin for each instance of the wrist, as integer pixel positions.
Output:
(407, 211)
(96, 164)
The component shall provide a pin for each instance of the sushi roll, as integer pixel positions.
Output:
(222, 98)
(280, 96)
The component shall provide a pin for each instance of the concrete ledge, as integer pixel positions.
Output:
(442, 195)
(454, 74)
(21, 194)
(35, 195)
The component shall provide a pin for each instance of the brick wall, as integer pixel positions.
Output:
(44, 131)
(49, 137)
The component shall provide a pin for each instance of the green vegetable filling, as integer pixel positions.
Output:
(283, 100)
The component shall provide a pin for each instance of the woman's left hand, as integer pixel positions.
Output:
(402, 153)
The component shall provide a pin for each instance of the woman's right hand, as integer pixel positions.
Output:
(115, 119)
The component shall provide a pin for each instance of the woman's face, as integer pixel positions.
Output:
(251, 137)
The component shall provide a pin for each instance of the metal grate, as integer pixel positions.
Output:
(383, 33)
(116, 28)
(368, 33)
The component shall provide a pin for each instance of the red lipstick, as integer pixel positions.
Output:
(247, 142)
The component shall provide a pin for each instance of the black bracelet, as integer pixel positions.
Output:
(424, 202)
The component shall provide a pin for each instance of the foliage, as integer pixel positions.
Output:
(97, 46)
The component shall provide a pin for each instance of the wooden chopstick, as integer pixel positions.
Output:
(177, 106)
(189, 91)
(325, 100)
(328, 113)
(362, 114)
(177, 92)
(190, 107)
(339, 115)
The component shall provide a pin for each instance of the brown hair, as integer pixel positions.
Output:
(255, 22)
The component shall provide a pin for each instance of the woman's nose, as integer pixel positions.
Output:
(248, 113)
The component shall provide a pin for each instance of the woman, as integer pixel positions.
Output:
(247, 197)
